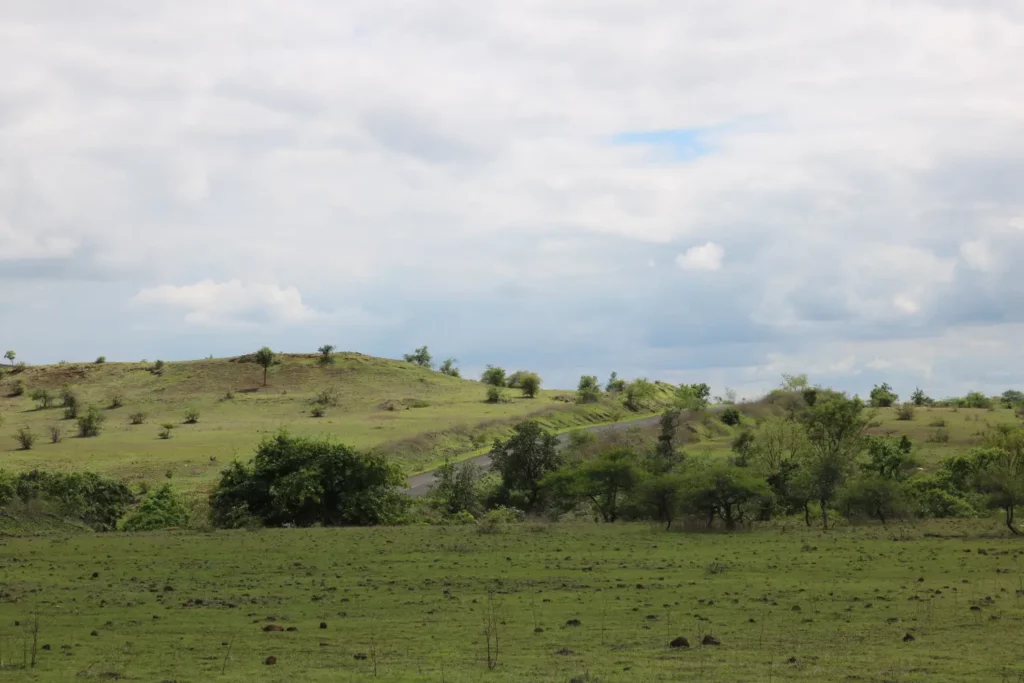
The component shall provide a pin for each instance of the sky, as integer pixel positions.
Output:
(685, 190)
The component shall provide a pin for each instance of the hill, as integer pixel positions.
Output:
(413, 414)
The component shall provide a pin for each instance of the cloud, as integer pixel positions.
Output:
(221, 304)
(705, 257)
(497, 178)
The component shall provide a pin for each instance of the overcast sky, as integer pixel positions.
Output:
(686, 190)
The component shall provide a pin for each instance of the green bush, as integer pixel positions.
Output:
(318, 411)
(94, 500)
(17, 389)
(191, 416)
(448, 368)
(731, 417)
(905, 412)
(44, 397)
(158, 368)
(639, 394)
(56, 434)
(494, 376)
(91, 423)
(326, 354)
(976, 399)
(101, 359)
(883, 396)
(116, 400)
(588, 390)
(161, 509)
(165, 430)
(497, 394)
(499, 519)
(137, 418)
(530, 383)
(302, 482)
(420, 357)
(328, 398)
(615, 384)
(26, 438)
(940, 435)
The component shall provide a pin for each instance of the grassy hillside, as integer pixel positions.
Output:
(415, 415)
(412, 602)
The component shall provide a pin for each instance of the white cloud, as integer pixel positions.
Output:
(219, 304)
(707, 256)
(979, 255)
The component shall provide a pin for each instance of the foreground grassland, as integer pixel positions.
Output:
(415, 415)
(785, 603)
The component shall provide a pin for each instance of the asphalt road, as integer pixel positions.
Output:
(419, 484)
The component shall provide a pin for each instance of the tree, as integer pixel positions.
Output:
(661, 498)
(873, 496)
(524, 458)
(43, 397)
(835, 433)
(794, 382)
(11, 355)
(890, 458)
(513, 381)
(883, 396)
(733, 494)
(1012, 398)
(919, 398)
(731, 417)
(588, 390)
(420, 357)
(1002, 474)
(692, 396)
(265, 358)
(639, 393)
(615, 384)
(448, 368)
(743, 446)
(529, 382)
(302, 481)
(778, 449)
(91, 422)
(666, 453)
(162, 509)
(455, 487)
(976, 399)
(326, 354)
(603, 481)
(493, 375)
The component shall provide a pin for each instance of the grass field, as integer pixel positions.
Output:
(785, 604)
(415, 415)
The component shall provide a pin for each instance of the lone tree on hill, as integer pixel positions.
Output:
(265, 358)
(325, 354)
(420, 357)
(10, 355)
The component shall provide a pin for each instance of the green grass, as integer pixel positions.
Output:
(786, 604)
(434, 416)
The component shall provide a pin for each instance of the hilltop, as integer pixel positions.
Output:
(415, 415)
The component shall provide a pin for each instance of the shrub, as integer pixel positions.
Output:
(162, 509)
(101, 359)
(976, 399)
(165, 430)
(905, 412)
(938, 422)
(731, 417)
(17, 389)
(326, 354)
(514, 381)
(43, 397)
(873, 497)
(615, 384)
(455, 488)
(229, 395)
(56, 435)
(91, 423)
(158, 368)
(639, 393)
(94, 500)
(497, 395)
(883, 396)
(71, 412)
(530, 383)
(733, 494)
(940, 435)
(302, 482)
(25, 438)
(588, 390)
(448, 368)
(328, 398)
(692, 396)
(117, 400)
(420, 357)
(494, 376)
(191, 416)
(919, 398)
(498, 520)
(68, 397)
(318, 411)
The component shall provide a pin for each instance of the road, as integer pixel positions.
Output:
(419, 484)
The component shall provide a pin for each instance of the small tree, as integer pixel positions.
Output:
(326, 354)
(56, 434)
(661, 498)
(26, 438)
(11, 355)
(588, 390)
(731, 417)
(101, 359)
(162, 509)
(455, 487)
(493, 375)
(1012, 398)
(615, 384)
(116, 400)
(44, 397)
(264, 358)
(835, 433)
(91, 422)
(191, 416)
(919, 398)
(692, 396)
(603, 481)
(733, 494)
(137, 418)
(976, 399)
(421, 357)
(165, 430)
(448, 367)
(883, 396)
(497, 394)
(524, 458)
(667, 455)
(514, 379)
(529, 382)
(889, 457)
(794, 382)
(874, 497)
(639, 393)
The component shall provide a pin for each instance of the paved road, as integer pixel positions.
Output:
(419, 484)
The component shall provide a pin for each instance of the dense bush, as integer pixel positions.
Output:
(905, 412)
(300, 481)
(456, 488)
(191, 416)
(976, 399)
(137, 418)
(494, 376)
(524, 459)
(883, 396)
(448, 368)
(588, 390)
(421, 357)
(165, 430)
(162, 509)
(639, 394)
(497, 394)
(17, 389)
(692, 396)
(94, 500)
(615, 384)
(44, 397)
(326, 354)
(101, 359)
(530, 383)
(731, 417)
(26, 438)
(91, 422)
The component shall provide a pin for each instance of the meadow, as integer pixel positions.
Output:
(936, 601)
(415, 415)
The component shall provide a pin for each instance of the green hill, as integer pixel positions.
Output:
(415, 415)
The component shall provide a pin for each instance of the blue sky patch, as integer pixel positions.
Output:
(678, 144)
